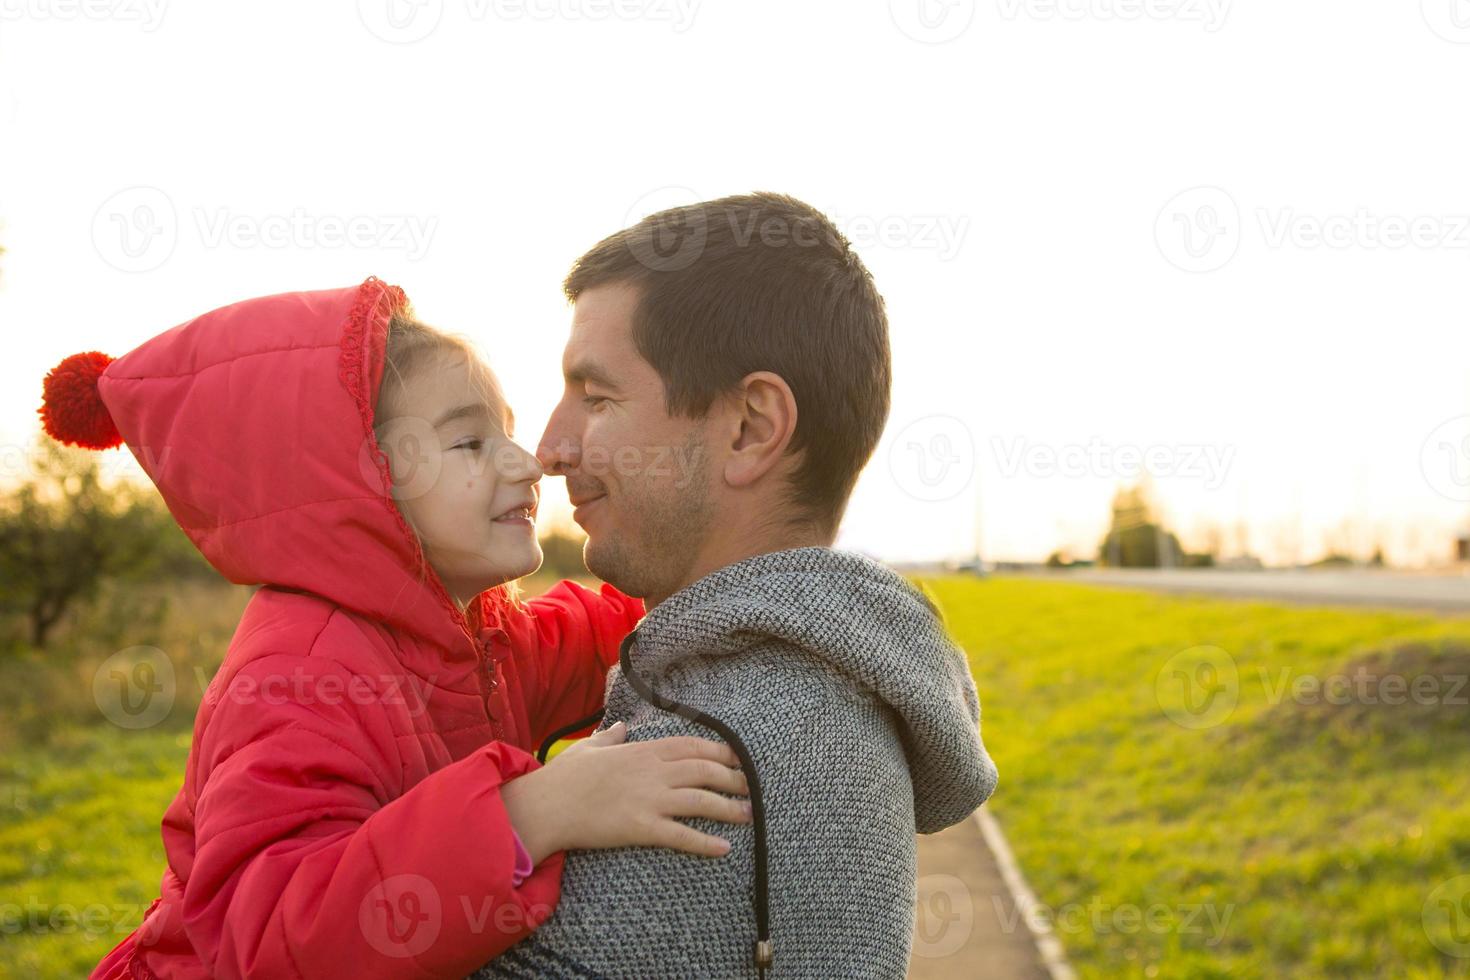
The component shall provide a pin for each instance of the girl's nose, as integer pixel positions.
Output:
(533, 468)
(557, 451)
(529, 468)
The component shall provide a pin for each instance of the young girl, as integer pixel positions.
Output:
(359, 800)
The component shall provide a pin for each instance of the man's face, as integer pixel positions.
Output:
(638, 477)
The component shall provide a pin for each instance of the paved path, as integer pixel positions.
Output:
(1445, 593)
(968, 925)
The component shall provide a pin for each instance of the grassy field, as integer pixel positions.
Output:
(81, 797)
(1181, 801)
(1186, 803)
(80, 854)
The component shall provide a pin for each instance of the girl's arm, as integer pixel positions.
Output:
(314, 860)
(563, 651)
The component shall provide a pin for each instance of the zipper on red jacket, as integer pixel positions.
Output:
(489, 683)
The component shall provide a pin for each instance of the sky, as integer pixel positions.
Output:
(1223, 243)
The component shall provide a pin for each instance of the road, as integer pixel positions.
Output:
(967, 924)
(1444, 593)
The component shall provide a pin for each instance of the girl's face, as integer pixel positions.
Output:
(467, 490)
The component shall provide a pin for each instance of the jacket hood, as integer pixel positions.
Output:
(255, 421)
(878, 634)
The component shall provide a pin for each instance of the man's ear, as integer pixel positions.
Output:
(762, 422)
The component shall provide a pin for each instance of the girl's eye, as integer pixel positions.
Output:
(473, 445)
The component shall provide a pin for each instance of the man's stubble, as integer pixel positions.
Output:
(662, 531)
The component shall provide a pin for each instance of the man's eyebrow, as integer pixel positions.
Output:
(584, 371)
(468, 410)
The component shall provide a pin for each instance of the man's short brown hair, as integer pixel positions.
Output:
(760, 282)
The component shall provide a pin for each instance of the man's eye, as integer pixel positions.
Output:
(592, 401)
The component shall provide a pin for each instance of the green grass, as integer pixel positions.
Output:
(1319, 829)
(81, 799)
(80, 853)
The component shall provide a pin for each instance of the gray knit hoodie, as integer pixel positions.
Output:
(860, 720)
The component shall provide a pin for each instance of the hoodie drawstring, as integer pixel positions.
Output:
(764, 950)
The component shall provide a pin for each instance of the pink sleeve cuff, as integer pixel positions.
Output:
(524, 865)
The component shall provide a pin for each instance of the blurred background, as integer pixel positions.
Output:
(1180, 435)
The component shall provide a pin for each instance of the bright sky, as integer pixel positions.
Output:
(1229, 240)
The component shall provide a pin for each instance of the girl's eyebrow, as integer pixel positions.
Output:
(475, 410)
(469, 410)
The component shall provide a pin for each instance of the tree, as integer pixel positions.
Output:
(63, 532)
(1136, 539)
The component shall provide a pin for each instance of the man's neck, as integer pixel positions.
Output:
(727, 549)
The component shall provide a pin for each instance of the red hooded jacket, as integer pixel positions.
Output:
(340, 813)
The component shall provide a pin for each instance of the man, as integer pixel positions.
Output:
(727, 378)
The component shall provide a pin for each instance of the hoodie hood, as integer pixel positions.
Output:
(880, 637)
(255, 423)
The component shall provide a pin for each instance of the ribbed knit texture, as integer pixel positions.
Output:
(863, 722)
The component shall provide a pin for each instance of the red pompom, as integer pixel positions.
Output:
(71, 407)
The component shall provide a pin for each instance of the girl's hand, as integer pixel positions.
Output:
(603, 792)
